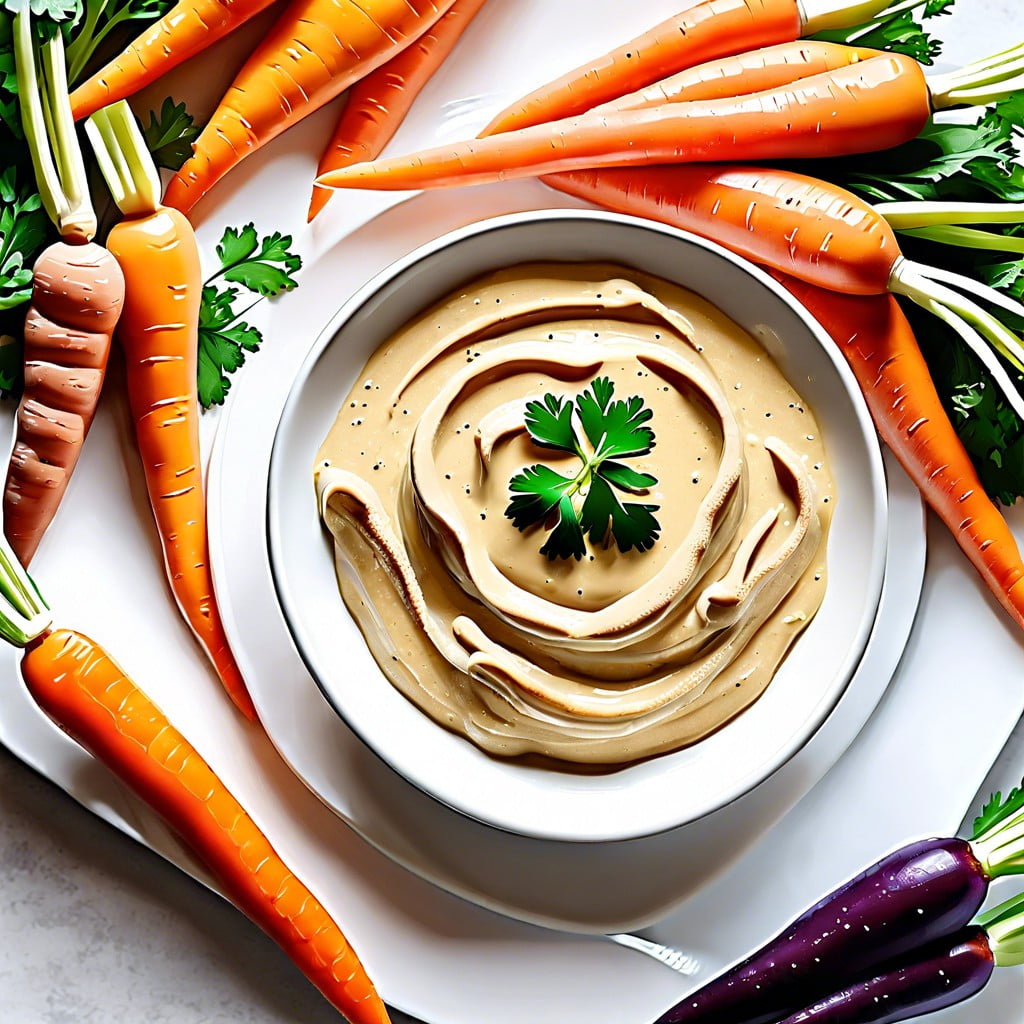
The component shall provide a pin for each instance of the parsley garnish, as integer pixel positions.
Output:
(587, 504)
(998, 809)
(170, 134)
(262, 267)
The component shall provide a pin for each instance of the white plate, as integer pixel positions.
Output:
(542, 881)
(663, 792)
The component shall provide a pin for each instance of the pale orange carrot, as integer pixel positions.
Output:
(701, 32)
(377, 105)
(77, 295)
(77, 292)
(316, 50)
(745, 73)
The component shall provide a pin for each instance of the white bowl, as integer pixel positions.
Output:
(666, 791)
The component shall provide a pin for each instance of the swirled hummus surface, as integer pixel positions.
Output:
(617, 655)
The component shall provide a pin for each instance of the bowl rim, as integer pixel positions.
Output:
(429, 251)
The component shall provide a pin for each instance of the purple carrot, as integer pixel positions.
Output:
(922, 892)
(941, 974)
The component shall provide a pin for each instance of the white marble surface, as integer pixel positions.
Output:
(94, 927)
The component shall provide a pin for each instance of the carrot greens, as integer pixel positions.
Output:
(100, 21)
(898, 28)
(586, 504)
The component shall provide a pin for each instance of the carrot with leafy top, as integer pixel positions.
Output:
(377, 105)
(77, 293)
(157, 250)
(188, 28)
(80, 687)
(841, 258)
(316, 50)
(702, 32)
(862, 107)
(878, 343)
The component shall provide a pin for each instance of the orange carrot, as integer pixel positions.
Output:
(867, 106)
(745, 73)
(702, 32)
(791, 222)
(877, 340)
(813, 231)
(185, 30)
(77, 292)
(377, 105)
(79, 686)
(316, 50)
(159, 333)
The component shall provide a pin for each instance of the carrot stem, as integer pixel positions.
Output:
(921, 285)
(980, 83)
(1005, 926)
(825, 15)
(921, 214)
(968, 238)
(24, 615)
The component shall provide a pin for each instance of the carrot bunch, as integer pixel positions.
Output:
(651, 129)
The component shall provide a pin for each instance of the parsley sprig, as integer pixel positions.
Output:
(587, 504)
(262, 267)
(170, 134)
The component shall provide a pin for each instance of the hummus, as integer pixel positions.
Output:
(617, 655)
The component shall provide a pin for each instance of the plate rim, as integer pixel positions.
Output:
(661, 822)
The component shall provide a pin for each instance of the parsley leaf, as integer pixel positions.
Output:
(998, 810)
(587, 505)
(262, 267)
(224, 338)
(23, 230)
(170, 134)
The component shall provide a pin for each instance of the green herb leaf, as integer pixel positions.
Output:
(10, 115)
(23, 230)
(224, 338)
(998, 810)
(170, 134)
(264, 267)
(587, 504)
